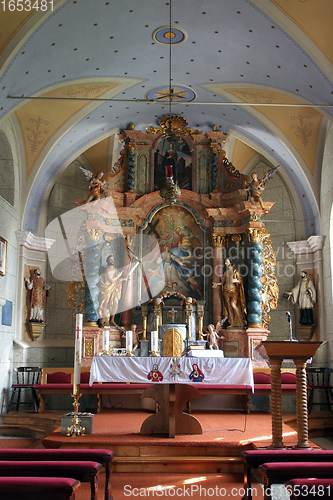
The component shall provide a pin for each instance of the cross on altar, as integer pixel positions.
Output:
(172, 314)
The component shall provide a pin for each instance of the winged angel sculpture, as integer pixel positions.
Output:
(256, 186)
(97, 187)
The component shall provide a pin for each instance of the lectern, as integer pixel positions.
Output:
(299, 352)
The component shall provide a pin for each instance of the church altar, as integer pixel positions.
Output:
(170, 379)
(169, 370)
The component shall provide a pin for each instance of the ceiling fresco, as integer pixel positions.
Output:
(227, 58)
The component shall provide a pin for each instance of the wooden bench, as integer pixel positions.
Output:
(83, 471)
(225, 390)
(104, 457)
(262, 386)
(281, 472)
(254, 458)
(60, 381)
(38, 488)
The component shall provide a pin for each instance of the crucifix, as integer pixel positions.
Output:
(172, 314)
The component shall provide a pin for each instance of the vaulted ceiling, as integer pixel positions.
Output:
(260, 70)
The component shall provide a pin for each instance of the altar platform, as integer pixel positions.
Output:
(225, 435)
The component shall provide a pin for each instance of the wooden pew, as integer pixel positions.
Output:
(85, 472)
(60, 381)
(280, 473)
(104, 457)
(254, 458)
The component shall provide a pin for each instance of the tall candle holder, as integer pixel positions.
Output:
(76, 429)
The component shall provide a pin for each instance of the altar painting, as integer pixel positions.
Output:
(173, 151)
(181, 241)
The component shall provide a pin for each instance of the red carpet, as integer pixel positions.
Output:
(17, 442)
(121, 427)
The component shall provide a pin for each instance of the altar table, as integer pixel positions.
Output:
(170, 378)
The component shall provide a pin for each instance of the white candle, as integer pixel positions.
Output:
(129, 341)
(154, 341)
(106, 339)
(78, 349)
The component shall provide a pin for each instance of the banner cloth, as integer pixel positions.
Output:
(221, 371)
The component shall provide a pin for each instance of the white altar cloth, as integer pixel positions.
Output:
(222, 371)
(205, 353)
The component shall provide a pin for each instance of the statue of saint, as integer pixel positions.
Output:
(256, 186)
(304, 295)
(233, 297)
(110, 285)
(38, 289)
(212, 337)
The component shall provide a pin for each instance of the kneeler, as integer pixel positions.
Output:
(38, 488)
(101, 456)
(85, 472)
(280, 473)
(253, 458)
(310, 489)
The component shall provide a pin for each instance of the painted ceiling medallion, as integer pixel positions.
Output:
(167, 36)
(179, 93)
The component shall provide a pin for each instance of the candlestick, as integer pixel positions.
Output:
(78, 349)
(75, 429)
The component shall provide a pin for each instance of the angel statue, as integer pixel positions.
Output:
(96, 185)
(255, 187)
(213, 334)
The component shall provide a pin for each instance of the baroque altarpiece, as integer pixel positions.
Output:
(174, 186)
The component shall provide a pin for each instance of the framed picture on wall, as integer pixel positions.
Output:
(3, 256)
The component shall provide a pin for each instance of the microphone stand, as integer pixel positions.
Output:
(291, 339)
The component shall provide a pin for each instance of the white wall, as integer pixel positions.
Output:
(326, 203)
(9, 225)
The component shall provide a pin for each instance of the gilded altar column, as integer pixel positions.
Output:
(200, 313)
(218, 242)
(157, 312)
(188, 313)
(144, 313)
